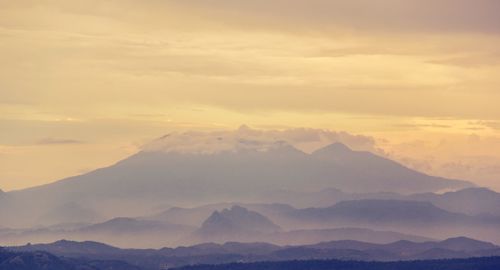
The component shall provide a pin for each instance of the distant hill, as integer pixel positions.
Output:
(309, 236)
(196, 215)
(471, 201)
(71, 248)
(39, 260)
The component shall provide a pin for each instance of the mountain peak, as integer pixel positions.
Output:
(334, 148)
(241, 140)
(215, 223)
(237, 219)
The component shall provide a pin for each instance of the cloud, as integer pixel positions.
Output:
(103, 56)
(306, 139)
(293, 15)
(472, 60)
(420, 126)
(362, 15)
(489, 124)
(49, 141)
(132, 69)
(466, 156)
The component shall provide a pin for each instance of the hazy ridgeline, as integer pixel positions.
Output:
(211, 253)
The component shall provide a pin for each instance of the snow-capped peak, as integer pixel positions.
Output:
(242, 139)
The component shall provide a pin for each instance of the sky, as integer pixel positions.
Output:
(84, 84)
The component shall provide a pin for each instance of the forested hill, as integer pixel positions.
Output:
(485, 263)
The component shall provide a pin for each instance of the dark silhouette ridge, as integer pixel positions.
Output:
(212, 253)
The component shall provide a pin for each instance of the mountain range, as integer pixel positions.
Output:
(229, 224)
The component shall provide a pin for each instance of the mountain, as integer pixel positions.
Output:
(236, 223)
(152, 177)
(372, 173)
(381, 212)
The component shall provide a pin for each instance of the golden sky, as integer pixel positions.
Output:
(86, 83)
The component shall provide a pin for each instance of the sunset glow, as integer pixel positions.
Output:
(84, 84)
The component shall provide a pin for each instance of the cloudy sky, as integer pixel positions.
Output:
(86, 83)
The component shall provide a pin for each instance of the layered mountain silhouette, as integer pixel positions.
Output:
(149, 178)
(418, 217)
(228, 224)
